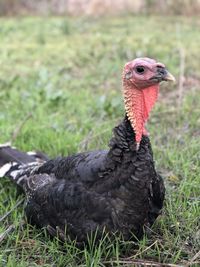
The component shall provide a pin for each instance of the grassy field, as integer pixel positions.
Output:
(60, 92)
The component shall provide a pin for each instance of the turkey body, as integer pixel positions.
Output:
(116, 191)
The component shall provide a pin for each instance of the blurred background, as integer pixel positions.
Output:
(98, 7)
(60, 92)
(50, 49)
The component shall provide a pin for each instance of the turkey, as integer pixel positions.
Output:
(116, 191)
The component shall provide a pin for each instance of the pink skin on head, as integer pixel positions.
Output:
(140, 92)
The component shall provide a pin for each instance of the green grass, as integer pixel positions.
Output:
(66, 73)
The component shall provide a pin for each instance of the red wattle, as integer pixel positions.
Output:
(150, 96)
(138, 104)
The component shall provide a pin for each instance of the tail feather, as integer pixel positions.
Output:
(10, 154)
(14, 162)
(5, 168)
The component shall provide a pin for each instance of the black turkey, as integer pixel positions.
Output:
(113, 191)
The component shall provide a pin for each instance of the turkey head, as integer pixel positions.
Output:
(141, 78)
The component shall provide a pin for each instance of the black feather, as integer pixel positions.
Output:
(117, 191)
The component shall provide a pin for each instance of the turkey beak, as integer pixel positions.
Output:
(169, 77)
(162, 75)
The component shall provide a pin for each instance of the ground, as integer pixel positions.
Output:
(60, 92)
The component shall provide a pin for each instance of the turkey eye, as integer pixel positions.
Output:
(140, 69)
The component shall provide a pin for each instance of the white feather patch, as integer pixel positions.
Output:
(14, 174)
(5, 145)
(5, 168)
(31, 153)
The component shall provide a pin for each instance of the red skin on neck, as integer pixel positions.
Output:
(138, 104)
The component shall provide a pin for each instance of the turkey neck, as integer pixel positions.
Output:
(123, 158)
(138, 104)
(123, 142)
